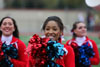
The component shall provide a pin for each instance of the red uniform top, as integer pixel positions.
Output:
(68, 59)
(95, 59)
(22, 57)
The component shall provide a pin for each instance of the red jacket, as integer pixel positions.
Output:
(67, 61)
(22, 57)
(95, 59)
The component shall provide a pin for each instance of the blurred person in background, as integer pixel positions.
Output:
(81, 17)
(11, 47)
(95, 4)
(90, 21)
(86, 51)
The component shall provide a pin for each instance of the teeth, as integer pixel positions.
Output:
(7, 30)
(51, 37)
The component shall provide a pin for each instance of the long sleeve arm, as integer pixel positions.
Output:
(22, 57)
(95, 59)
(69, 59)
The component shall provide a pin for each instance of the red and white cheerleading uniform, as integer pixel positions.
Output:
(80, 41)
(22, 59)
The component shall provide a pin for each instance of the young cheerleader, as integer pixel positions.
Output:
(86, 51)
(11, 47)
(53, 29)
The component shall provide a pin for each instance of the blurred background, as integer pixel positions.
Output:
(31, 14)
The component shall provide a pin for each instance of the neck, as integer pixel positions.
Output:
(79, 39)
(6, 39)
(7, 36)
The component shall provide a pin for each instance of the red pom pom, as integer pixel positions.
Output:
(38, 49)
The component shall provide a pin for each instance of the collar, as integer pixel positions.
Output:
(7, 40)
(14, 39)
(74, 39)
(80, 39)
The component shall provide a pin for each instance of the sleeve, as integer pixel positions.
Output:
(22, 57)
(69, 59)
(95, 59)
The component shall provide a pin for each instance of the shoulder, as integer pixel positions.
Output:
(70, 53)
(90, 40)
(68, 42)
(19, 42)
(69, 48)
(93, 43)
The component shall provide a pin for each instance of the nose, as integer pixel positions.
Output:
(51, 31)
(7, 25)
(84, 29)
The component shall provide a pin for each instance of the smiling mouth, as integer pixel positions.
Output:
(7, 30)
(51, 37)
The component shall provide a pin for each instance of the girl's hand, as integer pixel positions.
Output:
(9, 57)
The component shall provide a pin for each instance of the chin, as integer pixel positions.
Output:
(82, 35)
(7, 34)
(53, 39)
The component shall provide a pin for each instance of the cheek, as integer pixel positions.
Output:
(45, 33)
(1, 27)
(85, 30)
(77, 32)
(13, 29)
(58, 34)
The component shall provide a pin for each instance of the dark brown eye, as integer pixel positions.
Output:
(4, 23)
(47, 29)
(55, 29)
(10, 23)
(80, 27)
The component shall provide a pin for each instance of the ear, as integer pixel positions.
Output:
(61, 33)
(74, 31)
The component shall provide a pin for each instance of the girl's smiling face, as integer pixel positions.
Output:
(80, 30)
(52, 30)
(7, 27)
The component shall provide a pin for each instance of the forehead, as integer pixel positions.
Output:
(7, 20)
(80, 24)
(52, 23)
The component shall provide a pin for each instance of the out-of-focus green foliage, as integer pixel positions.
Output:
(50, 4)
